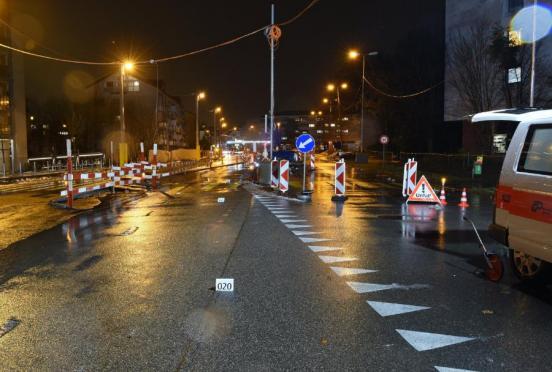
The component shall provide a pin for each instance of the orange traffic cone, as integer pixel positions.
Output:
(442, 197)
(464, 199)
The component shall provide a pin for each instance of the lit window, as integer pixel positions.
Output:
(345, 118)
(312, 125)
(332, 125)
(514, 75)
(326, 125)
(319, 131)
(345, 130)
(514, 38)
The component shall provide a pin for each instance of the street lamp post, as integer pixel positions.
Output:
(199, 96)
(354, 54)
(216, 111)
(123, 150)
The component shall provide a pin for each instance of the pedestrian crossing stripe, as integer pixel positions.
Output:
(292, 226)
(333, 259)
(319, 248)
(292, 221)
(369, 287)
(314, 240)
(422, 341)
(301, 233)
(388, 308)
(344, 271)
(447, 369)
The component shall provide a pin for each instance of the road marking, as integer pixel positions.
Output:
(334, 259)
(297, 226)
(292, 221)
(422, 341)
(314, 240)
(343, 271)
(372, 287)
(369, 287)
(388, 308)
(279, 209)
(447, 369)
(319, 248)
(301, 233)
(284, 215)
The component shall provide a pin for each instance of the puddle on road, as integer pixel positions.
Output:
(9, 326)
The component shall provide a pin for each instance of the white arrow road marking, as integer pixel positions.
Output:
(422, 341)
(297, 226)
(343, 271)
(388, 308)
(292, 221)
(372, 287)
(301, 233)
(319, 248)
(447, 369)
(333, 259)
(314, 240)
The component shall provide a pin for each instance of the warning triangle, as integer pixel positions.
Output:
(423, 193)
(422, 341)
(388, 308)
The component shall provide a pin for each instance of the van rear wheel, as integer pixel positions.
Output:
(528, 268)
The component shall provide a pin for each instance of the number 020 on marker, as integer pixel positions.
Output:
(224, 285)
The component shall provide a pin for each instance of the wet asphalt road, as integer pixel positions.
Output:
(130, 287)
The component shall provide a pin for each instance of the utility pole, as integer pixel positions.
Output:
(272, 45)
(362, 104)
(122, 103)
(533, 56)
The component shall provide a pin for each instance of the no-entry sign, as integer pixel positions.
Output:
(384, 140)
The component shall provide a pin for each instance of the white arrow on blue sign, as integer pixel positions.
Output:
(304, 143)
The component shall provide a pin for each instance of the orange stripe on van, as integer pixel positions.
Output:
(533, 205)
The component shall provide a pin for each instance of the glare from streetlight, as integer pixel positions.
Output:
(330, 87)
(201, 95)
(344, 85)
(325, 100)
(222, 118)
(251, 126)
(278, 124)
(128, 66)
(218, 109)
(223, 125)
(319, 112)
(235, 128)
(313, 113)
(353, 54)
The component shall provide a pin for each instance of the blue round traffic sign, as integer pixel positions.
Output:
(304, 143)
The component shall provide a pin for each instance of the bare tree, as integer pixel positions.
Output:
(474, 75)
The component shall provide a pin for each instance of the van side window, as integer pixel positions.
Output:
(536, 156)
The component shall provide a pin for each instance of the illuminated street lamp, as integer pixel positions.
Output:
(199, 97)
(313, 113)
(333, 87)
(325, 100)
(354, 54)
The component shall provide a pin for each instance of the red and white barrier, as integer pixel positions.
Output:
(69, 175)
(284, 176)
(274, 174)
(339, 181)
(312, 161)
(409, 177)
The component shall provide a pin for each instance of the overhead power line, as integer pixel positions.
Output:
(403, 95)
(157, 60)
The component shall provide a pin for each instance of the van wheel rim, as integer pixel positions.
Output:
(526, 265)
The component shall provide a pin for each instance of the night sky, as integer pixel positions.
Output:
(311, 51)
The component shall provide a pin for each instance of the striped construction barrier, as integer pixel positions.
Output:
(284, 176)
(312, 158)
(339, 184)
(274, 174)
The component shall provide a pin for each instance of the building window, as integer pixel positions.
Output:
(133, 85)
(332, 125)
(345, 130)
(514, 75)
(319, 131)
(514, 38)
(312, 125)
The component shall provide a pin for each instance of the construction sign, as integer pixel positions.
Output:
(423, 193)
(409, 177)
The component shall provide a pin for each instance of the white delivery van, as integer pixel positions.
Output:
(523, 202)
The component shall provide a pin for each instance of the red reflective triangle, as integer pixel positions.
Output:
(341, 178)
(285, 175)
(423, 193)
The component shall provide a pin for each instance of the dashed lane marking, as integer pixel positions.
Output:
(319, 248)
(334, 259)
(314, 240)
(388, 308)
(373, 287)
(344, 271)
(422, 341)
(447, 369)
(301, 233)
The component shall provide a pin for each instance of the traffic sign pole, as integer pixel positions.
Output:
(304, 170)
